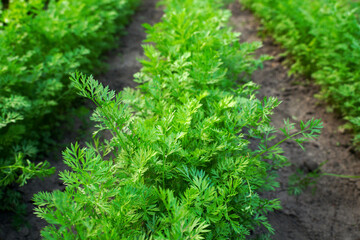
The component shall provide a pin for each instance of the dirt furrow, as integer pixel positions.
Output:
(122, 61)
(333, 210)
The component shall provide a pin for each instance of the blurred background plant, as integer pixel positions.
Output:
(42, 41)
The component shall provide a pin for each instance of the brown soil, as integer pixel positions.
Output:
(122, 65)
(122, 62)
(333, 211)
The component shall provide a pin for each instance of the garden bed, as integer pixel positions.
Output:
(332, 212)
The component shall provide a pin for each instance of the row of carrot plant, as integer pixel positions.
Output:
(179, 163)
(42, 41)
(322, 38)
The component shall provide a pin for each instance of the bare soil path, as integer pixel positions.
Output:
(333, 211)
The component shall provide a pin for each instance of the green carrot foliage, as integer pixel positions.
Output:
(179, 163)
(41, 42)
(322, 39)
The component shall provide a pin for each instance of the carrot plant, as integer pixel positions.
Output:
(322, 38)
(41, 42)
(179, 163)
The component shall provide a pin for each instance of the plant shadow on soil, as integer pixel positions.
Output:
(122, 65)
(333, 212)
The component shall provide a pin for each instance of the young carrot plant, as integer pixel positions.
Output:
(178, 165)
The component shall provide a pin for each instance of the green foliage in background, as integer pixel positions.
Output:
(41, 42)
(179, 163)
(323, 39)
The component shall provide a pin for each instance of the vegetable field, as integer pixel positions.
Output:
(200, 133)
